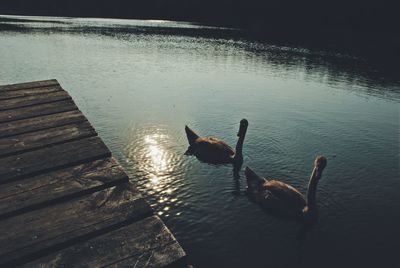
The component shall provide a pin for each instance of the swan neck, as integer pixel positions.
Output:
(238, 157)
(239, 146)
(312, 189)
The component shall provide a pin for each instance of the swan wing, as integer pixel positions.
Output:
(284, 194)
(212, 150)
(215, 145)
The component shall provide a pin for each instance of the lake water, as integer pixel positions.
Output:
(140, 82)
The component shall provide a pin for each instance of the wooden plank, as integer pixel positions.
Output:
(37, 110)
(146, 243)
(38, 139)
(47, 159)
(40, 122)
(32, 100)
(10, 94)
(35, 84)
(39, 191)
(33, 234)
(171, 255)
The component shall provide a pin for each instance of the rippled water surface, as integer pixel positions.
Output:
(140, 82)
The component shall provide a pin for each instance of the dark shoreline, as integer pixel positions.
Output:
(375, 50)
(348, 40)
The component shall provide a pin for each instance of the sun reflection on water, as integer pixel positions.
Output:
(155, 165)
(157, 155)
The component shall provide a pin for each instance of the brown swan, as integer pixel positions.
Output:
(283, 199)
(213, 150)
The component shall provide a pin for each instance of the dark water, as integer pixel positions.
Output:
(140, 82)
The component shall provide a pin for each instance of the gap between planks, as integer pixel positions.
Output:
(47, 159)
(64, 224)
(12, 94)
(42, 122)
(44, 138)
(145, 243)
(37, 110)
(27, 101)
(58, 186)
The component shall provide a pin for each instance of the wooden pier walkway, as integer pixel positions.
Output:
(64, 200)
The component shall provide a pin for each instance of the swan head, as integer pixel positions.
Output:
(319, 165)
(243, 127)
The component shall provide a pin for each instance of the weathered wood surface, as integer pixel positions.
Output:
(37, 110)
(10, 94)
(63, 200)
(49, 158)
(32, 100)
(41, 231)
(146, 243)
(40, 122)
(41, 138)
(35, 84)
(48, 188)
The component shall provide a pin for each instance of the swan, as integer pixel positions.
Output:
(213, 150)
(284, 199)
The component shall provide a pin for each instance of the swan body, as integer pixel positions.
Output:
(213, 150)
(282, 198)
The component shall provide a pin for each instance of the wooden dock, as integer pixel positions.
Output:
(64, 200)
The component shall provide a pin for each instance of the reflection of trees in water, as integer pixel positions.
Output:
(11, 27)
(334, 67)
(250, 13)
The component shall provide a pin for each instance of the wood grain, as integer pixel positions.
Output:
(32, 100)
(39, 232)
(47, 159)
(34, 84)
(38, 139)
(10, 94)
(37, 110)
(146, 243)
(41, 122)
(39, 191)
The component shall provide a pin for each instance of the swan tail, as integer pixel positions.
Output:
(251, 175)
(254, 182)
(189, 151)
(191, 135)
